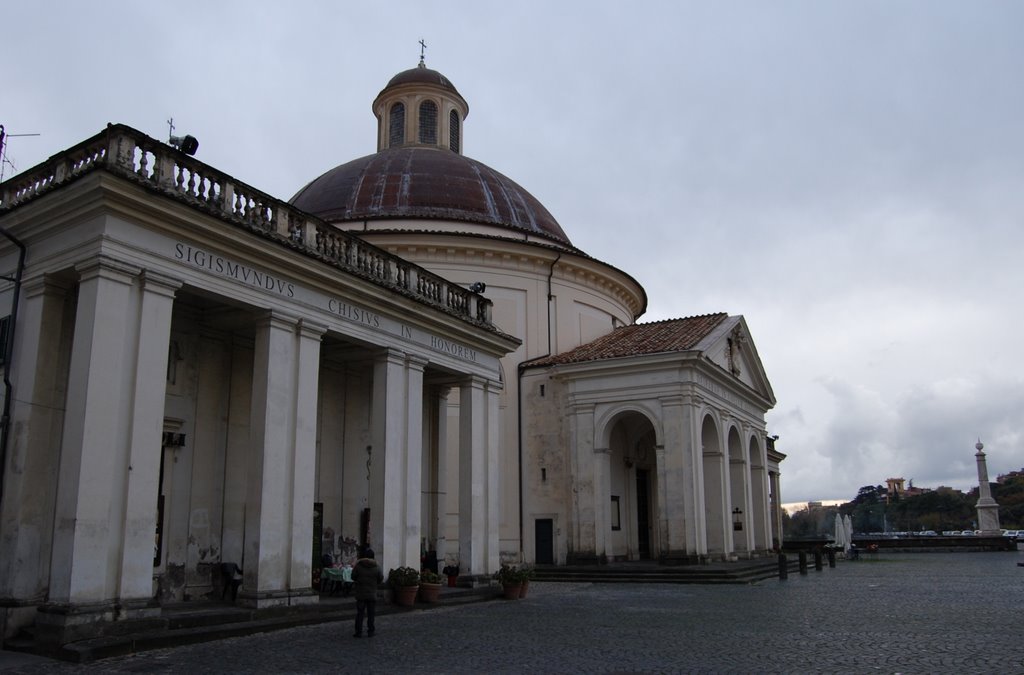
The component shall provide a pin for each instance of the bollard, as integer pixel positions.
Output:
(831, 557)
(783, 566)
(802, 558)
(817, 561)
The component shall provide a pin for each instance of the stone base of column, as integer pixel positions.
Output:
(675, 558)
(61, 623)
(585, 559)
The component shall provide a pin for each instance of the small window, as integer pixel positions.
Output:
(396, 128)
(428, 122)
(453, 130)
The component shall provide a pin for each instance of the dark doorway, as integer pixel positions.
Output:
(544, 541)
(643, 527)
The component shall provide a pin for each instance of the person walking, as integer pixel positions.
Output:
(366, 574)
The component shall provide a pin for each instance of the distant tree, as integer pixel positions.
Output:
(935, 510)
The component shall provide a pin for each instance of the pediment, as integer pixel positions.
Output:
(730, 347)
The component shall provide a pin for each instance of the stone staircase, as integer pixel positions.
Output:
(742, 572)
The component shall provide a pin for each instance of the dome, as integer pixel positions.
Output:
(426, 183)
(421, 75)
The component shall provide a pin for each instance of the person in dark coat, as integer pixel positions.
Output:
(366, 574)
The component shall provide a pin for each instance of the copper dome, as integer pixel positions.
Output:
(422, 75)
(427, 183)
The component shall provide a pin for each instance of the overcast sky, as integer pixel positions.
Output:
(849, 176)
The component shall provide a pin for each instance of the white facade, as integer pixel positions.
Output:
(196, 368)
(203, 374)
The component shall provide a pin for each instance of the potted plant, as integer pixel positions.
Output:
(452, 572)
(511, 582)
(405, 582)
(525, 574)
(430, 586)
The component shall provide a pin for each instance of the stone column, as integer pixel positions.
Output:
(677, 491)
(987, 508)
(760, 516)
(474, 481)
(492, 449)
(581, 443)
(439, 498)
(148, 393)
(413, 474)
(33, 452)
(396, 391)
(94, 457)
(279, 503)
(602, 503)
(307, 344)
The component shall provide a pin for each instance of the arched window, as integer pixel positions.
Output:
(428, 122)
(453, 130)
(396, 130)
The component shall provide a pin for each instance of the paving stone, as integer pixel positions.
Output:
(894, 613)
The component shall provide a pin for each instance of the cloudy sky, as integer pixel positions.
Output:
(849, 176)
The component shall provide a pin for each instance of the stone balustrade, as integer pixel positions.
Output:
(128, 153)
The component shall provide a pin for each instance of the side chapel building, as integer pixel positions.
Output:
(410, 354)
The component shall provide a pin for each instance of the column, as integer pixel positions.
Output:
(304, 472)
(395, 474)
(760, 517)
(279, 503)
(149, 389)
(493, 499)
(33, 450)
(473, 479)
(602, 503)
(413, 442)
(439, 497)
(677, 488)
(94, 449)
(584, 534)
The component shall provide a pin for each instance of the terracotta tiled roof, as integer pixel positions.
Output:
(672, 335)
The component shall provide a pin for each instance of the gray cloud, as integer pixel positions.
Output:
(847, 175)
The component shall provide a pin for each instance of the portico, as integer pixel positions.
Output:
(203, 370)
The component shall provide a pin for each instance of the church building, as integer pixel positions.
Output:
(409, 355)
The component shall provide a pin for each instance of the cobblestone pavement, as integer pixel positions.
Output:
(896, 613)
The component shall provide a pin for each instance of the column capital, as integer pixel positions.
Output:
(159, 283)
(275, 319)
(416, 362)
(108, 268)
(311, 329)
(43, 284)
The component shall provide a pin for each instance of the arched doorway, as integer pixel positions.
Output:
(633, 467)
(714, 486)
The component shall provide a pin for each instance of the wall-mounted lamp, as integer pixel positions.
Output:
(478, 287)
(737, 519)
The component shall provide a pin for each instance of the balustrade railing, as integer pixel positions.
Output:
(131, 154)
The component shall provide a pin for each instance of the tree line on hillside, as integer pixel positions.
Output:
(874, 510)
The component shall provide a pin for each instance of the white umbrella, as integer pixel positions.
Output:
(840, 534)
(848, 531)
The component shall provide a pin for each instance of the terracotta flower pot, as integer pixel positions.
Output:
(512, 591)
(525, 587)
(429, 592)
(406, 595)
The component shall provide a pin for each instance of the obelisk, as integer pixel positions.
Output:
(988, 510)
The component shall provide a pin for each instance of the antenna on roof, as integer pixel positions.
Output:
(3, 150)
(423, 48)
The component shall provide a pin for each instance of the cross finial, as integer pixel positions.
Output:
(170, 123)
(423, 48)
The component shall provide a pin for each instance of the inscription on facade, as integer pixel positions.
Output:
(237, 271)
(353, 314)
(457, 350)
